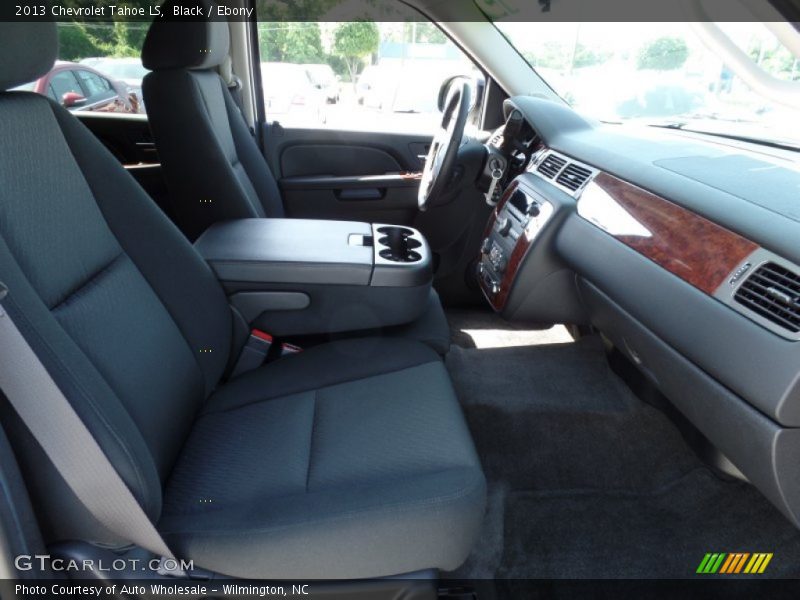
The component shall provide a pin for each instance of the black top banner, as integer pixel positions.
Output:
(404, 10)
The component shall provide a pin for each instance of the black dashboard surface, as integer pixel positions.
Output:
(701, 173)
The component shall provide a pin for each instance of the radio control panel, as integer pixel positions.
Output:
(514, 228)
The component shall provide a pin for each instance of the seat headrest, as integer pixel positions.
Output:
(27, 51)
(176, 43)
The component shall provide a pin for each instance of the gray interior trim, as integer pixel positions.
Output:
(539, 158)
(252, 304)
(763, 450)
(727, 291)
(287, 251)
(716, 338)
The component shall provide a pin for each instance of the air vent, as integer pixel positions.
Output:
(773, 293)
(573, 177)
(551, 166)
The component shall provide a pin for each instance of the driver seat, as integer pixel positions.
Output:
(212, 165)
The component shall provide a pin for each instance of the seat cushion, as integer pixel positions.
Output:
(432, 328)
(350, 460)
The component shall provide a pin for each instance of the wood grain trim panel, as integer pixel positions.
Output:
(687, 245)
(514, 262)
(499, 300)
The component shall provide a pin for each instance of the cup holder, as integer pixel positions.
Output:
(399, 245)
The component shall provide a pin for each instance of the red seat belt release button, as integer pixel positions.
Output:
(261, 335)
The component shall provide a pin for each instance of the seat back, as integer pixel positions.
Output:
(126, 317)
(212, 165)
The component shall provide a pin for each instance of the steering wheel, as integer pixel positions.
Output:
(441, 160)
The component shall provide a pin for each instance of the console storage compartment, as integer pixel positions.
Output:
(299, 277)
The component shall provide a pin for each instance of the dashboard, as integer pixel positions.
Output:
(680, 249)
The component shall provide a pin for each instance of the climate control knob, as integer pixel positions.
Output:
(534, 209)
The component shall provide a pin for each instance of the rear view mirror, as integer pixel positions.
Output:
(72, 100)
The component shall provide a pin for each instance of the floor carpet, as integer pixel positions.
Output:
(586, 480)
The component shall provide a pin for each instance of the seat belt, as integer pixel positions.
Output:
(234, 85)
(235, 89)
(68, 443)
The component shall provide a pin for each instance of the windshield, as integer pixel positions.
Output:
(661, 74)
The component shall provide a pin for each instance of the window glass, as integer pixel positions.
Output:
(111, 49)
(94, 84)
(361, 75)
(123, 69)
(62, 83)
(27, 87)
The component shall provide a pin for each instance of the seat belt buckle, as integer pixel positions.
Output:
(255, 352)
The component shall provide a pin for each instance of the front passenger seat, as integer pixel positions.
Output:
(212, 165)
(349, 460)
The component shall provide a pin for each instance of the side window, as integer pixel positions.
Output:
(96, 86)
(360, 75)
(62, 83)
(112, 52)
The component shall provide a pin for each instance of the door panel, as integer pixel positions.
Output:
(347, 175)
(374, 177)
(336, 159)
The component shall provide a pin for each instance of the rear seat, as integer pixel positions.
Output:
(350, 460)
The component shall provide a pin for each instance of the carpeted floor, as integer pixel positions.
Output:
(585, 480)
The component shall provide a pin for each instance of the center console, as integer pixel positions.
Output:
(519, 222)
(297, 277)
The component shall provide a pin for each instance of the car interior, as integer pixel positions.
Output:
(525, 345)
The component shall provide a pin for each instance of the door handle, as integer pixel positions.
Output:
(359, 194)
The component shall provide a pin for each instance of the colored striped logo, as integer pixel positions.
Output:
(734, 563)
